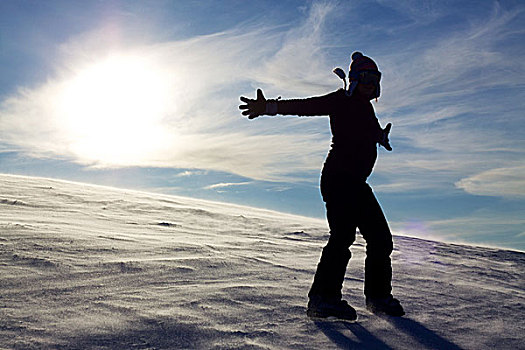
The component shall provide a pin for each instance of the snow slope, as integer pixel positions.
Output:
(87, 267)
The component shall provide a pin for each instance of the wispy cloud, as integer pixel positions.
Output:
(300, 66)
(505, 182)
(223, 185)
(190, 173)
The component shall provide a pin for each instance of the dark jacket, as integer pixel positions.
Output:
(355, 131)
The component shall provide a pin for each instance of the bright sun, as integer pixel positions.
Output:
(113, 110)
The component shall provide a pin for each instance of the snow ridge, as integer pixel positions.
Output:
(99, 268)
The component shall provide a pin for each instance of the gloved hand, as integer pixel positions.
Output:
(383, 137)
(254, 108)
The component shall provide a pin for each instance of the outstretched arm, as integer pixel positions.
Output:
(319, 105)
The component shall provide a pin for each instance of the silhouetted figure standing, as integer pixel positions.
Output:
(350, 202)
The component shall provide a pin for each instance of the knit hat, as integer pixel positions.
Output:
(359, 64)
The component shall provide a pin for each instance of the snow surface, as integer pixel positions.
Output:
(88, 267)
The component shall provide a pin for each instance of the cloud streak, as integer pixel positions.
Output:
(507, 182)
(223, 185)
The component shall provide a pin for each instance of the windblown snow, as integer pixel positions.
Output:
(88, 267)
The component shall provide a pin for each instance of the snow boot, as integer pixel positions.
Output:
(389, 306)
(319, 307)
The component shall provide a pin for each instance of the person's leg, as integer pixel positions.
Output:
(329, 277)
(374, 228)
(325, 297)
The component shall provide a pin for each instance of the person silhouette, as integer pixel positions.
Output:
(349, 200)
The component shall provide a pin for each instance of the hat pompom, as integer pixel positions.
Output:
(356, 55)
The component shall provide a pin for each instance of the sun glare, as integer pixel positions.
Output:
(113, 110)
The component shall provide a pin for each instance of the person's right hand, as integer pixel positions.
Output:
(253, 108)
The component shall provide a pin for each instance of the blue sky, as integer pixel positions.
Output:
(144, 95)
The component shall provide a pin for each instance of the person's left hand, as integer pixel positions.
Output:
(383, 138)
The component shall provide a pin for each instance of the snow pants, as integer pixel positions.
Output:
(351, 205)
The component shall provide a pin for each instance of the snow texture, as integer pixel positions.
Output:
(89, 267)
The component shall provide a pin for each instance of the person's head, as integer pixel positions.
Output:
(364, 76)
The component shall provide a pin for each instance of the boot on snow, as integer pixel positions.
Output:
(389, 306)
(319, 307)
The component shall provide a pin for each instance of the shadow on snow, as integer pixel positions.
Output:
(366, 340)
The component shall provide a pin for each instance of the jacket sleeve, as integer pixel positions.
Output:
(312, 106)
